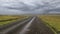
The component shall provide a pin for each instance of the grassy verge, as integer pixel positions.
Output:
(53, 21)
(4, 20)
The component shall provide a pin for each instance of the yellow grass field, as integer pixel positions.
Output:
(52, 20)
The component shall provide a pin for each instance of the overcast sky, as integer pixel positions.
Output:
(29, 6)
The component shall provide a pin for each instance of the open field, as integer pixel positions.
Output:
(53, 21)
(9, 19)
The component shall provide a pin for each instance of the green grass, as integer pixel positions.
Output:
(10, 17)
(13, 19)
(7, 22)
(52, 20)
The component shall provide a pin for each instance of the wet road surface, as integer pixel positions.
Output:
(33, 25)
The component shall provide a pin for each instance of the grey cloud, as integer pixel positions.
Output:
(26, 7)
(41, 6)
